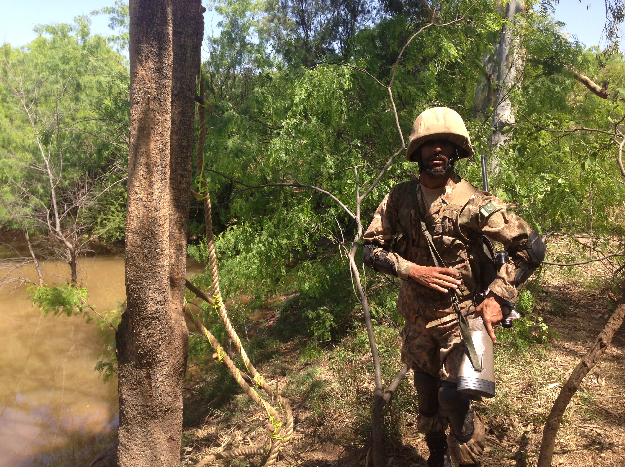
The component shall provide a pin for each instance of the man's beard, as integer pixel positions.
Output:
(441, 171)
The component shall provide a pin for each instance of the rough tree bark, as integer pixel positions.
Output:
(502, 69)
(152, 339)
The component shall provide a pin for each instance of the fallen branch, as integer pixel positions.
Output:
(199, 293)
(593, 87)
(572, 385)
(578, 263)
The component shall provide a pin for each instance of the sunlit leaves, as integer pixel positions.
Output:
(64, 98)
(63, 299)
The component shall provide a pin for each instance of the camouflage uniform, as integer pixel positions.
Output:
(394, 242)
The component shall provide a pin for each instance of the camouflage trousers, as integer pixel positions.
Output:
(461, 450)
(438, 351)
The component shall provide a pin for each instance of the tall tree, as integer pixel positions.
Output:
(152, 338)
(503, 67)
(64, 126)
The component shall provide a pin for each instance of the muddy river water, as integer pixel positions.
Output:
(55, 409)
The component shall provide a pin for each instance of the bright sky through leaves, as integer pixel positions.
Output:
(584, 19)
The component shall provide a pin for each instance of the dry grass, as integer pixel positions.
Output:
(331, 389)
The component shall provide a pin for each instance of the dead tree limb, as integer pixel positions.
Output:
(579, 263)
(35, 261)
(572, 385)
(593, 87)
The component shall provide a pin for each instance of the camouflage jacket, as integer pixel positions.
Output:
(394, 242)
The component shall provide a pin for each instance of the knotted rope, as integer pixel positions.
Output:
(279, 432)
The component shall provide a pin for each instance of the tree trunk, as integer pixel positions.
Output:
(34, 257)
(502, 70)
(152, 339)
(73, 263)
(510, 64)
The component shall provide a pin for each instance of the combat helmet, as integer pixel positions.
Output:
(439, 123)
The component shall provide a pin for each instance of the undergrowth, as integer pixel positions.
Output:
(316, 348)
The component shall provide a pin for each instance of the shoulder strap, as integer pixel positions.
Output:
(438, 261)
(462, 193)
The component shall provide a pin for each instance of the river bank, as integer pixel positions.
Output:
(55, 409)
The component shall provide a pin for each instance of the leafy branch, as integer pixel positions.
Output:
(381, 395)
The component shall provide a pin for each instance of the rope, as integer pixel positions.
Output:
(212, 257)
(279, 433)
(248, 451)
(273, 453)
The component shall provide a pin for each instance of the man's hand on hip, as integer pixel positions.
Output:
(490, 311)
(441, 279)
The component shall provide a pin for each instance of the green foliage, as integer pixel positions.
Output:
(71, 300)
(525, 304)
(62, 299)
(107, 322)
(321, 323)
(527, 330)
(559, 164)
(118, 21)
(64, 115)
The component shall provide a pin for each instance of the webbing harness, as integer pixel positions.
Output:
(438, 261)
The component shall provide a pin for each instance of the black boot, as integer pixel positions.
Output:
(437, 444)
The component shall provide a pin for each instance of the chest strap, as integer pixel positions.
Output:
(462, 193)
(438, 261)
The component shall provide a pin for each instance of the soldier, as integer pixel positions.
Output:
(456, 214)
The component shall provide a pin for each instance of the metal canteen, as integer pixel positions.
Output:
(478, 383)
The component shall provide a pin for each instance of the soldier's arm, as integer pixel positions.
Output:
(525, 248)
(378, 238)
(377, 252)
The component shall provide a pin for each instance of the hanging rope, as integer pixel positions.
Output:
(279, 432)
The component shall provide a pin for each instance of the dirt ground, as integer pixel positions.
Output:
(331, 396)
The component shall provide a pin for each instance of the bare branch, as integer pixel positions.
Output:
(620, 157)
(382, 172)
(401, 134)
(296, 184)
(568, 131)
(366, 73)
(35, 261)
(579, 263)
(590, 84)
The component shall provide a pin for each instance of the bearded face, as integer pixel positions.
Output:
(437, 157)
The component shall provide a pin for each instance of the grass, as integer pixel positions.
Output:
(330, 386)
